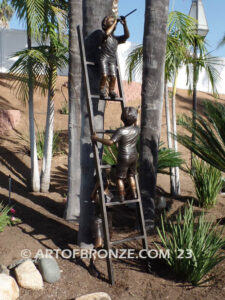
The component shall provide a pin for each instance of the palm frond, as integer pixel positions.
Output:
(134, 62)
(209, 142)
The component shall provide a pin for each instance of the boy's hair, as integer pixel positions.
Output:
(129, 115)
(104, 22)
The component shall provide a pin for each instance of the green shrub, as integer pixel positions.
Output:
(195, 248)
(41, 141)
(110, 154)
(64, 108)
(168, 158)
(6, 217)
(208, 182)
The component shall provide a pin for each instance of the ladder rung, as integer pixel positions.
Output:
(105, 166)
(107, 98)
(138, 237)
(105, 131)
(91, 63)
(121, 203)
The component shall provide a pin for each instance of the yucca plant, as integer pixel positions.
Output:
(209, 143)
(207, 180)
(194, 246)
(41, 140)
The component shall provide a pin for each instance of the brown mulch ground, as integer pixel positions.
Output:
(43, 227)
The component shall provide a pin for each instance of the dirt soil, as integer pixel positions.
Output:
(43, 226)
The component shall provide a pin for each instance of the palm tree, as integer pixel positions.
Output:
(36, 64)
(32, 12)
(154, 50)
(222, 42)
(56, 57)
(180, 36)
(6, 13)
(91, 27)
(209, 143)
(180, 41)
(72, 211)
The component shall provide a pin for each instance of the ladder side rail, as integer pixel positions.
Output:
(141, 215)
(96, 155)
(86, 79)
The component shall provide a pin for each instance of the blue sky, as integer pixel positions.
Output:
(214, 9)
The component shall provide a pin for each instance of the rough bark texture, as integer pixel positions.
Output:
(93, 13)
(154, 47)
(72, 211)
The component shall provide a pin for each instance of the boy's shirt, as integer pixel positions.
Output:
(109, 46)
(126, 137)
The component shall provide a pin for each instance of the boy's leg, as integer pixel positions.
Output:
(133, 186)
(103, 81)
(112, 83)
(121, 189)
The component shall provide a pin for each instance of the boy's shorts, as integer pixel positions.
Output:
(126, 167)
(108, 67)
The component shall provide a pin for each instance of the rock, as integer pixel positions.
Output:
(95, 296)
(9, 118)
(4, 270)
(28, 276)
(8, 288)
(49, 269)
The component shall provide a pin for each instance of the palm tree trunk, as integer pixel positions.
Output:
(72, 211)
(93, 13)
(177, 175)
(35, 177)
(47, 157)
(154, 48)
(169, 139)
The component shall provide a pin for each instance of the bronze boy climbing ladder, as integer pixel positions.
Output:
(99, 166)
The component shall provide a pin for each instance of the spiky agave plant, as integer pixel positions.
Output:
(209, 143)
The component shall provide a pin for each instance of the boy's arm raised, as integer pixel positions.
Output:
(106, 142)
(111, 28)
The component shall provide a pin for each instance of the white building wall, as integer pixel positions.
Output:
(13, 40)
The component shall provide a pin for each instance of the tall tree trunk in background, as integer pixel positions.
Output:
(154, 48)
(49, 131)
(177, 173)
(169, 139)
(93, 13)
(72, 211)
(35, 177)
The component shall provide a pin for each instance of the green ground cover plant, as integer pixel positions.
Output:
(7, 217)
(207, 181)
(194, 244)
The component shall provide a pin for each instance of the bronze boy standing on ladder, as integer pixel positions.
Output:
(126, 137)
(108, 53)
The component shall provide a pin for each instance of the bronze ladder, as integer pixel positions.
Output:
(107, 243)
